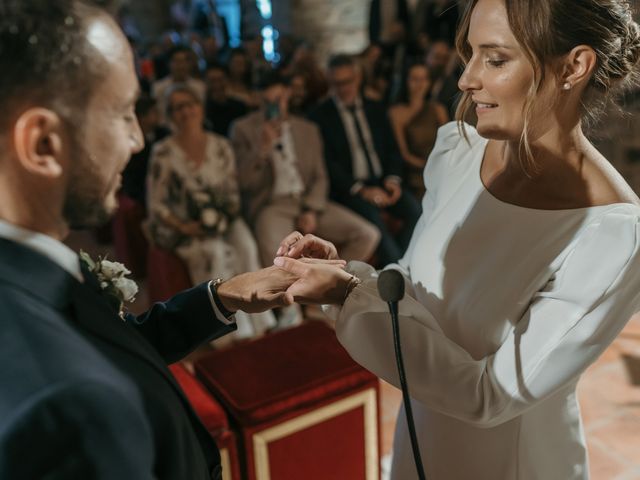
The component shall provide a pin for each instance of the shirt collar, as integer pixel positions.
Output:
(51, 248)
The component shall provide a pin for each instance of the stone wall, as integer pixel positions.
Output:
(332, 25)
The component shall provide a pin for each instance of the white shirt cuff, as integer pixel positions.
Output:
(216, 311)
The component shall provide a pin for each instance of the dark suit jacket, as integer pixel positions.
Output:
(88, 395)
(337, 152)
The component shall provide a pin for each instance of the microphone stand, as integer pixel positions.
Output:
(393, 308)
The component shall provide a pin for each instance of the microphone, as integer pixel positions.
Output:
(391, 286)
(391, 290)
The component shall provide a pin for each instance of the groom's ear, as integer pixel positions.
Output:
(38, 142)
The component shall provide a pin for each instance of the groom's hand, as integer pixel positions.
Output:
(259, 291)
(296, 245)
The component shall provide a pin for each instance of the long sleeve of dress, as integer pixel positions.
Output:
(567, 326)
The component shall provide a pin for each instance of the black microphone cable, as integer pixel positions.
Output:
(391, 290)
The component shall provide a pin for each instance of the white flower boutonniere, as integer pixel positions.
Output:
(111, 277)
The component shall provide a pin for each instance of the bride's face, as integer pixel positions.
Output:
(498, 75)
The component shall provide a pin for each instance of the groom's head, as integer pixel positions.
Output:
(67, 123)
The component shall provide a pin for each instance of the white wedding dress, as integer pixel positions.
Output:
(506, 306)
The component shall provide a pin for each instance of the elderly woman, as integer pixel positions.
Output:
(194, 203)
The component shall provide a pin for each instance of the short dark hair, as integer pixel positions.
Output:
(271, 78)
(180, 49)
(217, 66)
(44, 54)
(341, 60)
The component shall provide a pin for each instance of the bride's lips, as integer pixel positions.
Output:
(483, 107)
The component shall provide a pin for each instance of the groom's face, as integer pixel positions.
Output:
(101, 146)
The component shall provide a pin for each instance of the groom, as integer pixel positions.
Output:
(85, 393)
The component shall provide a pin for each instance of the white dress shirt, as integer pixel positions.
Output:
(287, 181)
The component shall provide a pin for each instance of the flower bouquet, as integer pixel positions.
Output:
(214, 210)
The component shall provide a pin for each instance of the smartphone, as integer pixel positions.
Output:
(272, 111)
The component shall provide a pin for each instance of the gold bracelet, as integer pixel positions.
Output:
(353, 283)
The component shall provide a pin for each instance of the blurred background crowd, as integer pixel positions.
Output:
(253, 130)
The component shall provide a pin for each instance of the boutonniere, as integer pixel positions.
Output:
(112, 279)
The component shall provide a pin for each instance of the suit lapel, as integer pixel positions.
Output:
(94, 315)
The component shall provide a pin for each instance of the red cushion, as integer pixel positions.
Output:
(288, 370)
(210, 412)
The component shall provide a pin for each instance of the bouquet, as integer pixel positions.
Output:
(214, 210)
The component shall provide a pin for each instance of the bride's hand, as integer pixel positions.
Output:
(319, 281)
(296, 245)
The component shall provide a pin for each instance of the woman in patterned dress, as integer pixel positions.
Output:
(194, 202)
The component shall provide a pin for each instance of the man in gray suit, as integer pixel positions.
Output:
(284, 182)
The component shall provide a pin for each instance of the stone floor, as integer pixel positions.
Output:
(609, 395)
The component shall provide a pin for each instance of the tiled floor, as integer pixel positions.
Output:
(609, 395)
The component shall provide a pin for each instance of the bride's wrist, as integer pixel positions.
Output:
(351, 284)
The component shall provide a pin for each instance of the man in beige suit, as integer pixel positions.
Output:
(284, 183)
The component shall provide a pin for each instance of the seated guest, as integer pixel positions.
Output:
(362, 158)
(220, 108)
(305, 62)
(284, 184)
(180, 71)
(299, 101)
(134, 176)
(445, 70)
(415, 121)
(240, 86)
(194, 202)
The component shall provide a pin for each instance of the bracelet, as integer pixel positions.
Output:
(353, 283)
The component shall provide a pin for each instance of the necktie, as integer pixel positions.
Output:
(363, 143)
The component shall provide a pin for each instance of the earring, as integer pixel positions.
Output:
(566, 86)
